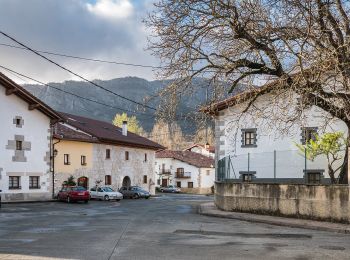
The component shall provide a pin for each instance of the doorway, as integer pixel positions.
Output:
(126, 182)
(164, 182)
(83, 182)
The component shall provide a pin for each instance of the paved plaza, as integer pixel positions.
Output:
(165, 227)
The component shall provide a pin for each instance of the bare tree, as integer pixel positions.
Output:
(168, 134)
(301, 46)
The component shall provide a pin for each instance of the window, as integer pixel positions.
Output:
(307, 134)
(108, 180)
(34, 182)
(180, 170)
(314, 176)
(190, 185)
(18, 121)
(158, 182)
(208, 172)
(14, 182)
(108, 153)
(145, 157)
(247, 176)
(178, 184)
(83, 160)
(19, 145)
(144, 178)
(126, 155)
(66, 159)
(249, 137)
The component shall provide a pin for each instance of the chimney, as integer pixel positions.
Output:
(125, 128)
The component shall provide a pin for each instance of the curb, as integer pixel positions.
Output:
(209, 209)
(27, 201)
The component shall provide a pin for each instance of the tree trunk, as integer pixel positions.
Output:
(343, 175)
(331, 175)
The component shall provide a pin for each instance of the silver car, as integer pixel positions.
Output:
(105, 193)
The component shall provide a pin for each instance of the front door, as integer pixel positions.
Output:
(83, 182)
(164, 182)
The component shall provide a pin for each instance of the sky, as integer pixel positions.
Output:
(98, 29)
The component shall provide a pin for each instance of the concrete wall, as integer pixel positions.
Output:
(33, 159)
(274, 133)
(319, 202)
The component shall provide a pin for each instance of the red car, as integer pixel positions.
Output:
(75, 193)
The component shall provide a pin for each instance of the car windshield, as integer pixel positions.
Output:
(78, 188)
(107, 189)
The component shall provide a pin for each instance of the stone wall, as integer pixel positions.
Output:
(318, 202)
(197, 190)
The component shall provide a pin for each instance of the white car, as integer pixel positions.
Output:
(105, 193)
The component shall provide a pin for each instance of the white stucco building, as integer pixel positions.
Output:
(25, 144)
(251, 146)
(190, 171)
(206, 149)
(99, 153)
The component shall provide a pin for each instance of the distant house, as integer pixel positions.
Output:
(253, 147)
(99, 153)
(206, 149)
(190, 171)
(25, 144)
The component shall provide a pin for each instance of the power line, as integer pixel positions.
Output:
(96, 60)
(84, 58)
(73, 73)
(70, 93)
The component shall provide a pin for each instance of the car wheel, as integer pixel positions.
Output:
(136, 196)
(147, 198)
(106, 198)
(117, 199)
(162, 190)
(68, 200)
(86, 201)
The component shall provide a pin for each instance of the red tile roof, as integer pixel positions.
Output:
(35, 103)
(189, 157)
(101, 132)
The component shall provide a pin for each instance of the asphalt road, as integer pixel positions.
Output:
(167, 227)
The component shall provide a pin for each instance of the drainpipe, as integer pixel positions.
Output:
(54, 154)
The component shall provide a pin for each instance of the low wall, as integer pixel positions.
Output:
(197, 190)
(318, 202)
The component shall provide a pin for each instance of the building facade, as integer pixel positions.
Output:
(25, 144)
(206, 150)
(190, 171)
(251, 146)
(97, 153)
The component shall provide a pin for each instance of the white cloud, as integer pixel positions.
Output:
(111, 9)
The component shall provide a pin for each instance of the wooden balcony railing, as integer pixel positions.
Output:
(184, 175)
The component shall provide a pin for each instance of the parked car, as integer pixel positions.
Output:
(170, 188)
(134, 192)
(105, 193)
(73, 193)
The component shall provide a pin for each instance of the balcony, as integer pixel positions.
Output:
(183, 175)
(165, 172)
